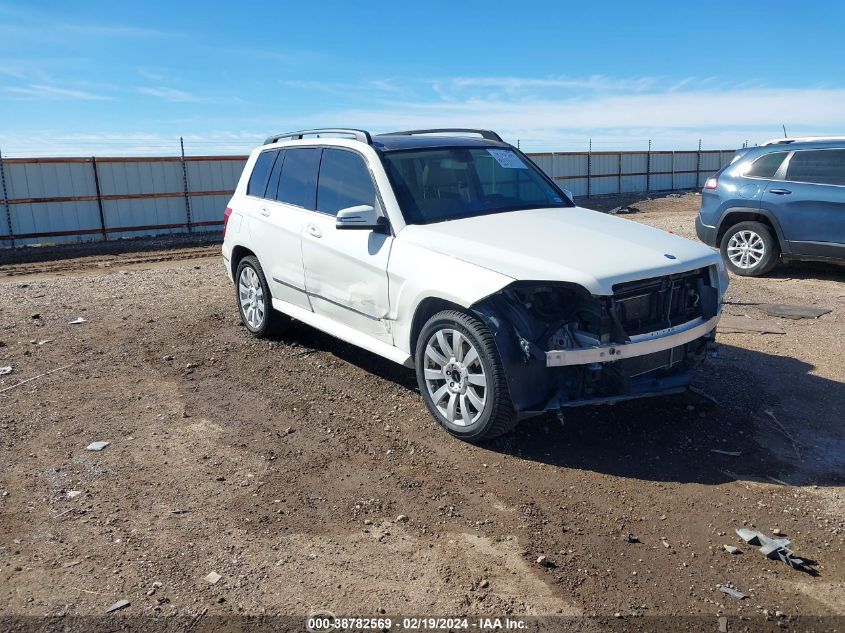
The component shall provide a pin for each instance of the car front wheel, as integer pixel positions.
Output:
(461, 377)
(749, 249)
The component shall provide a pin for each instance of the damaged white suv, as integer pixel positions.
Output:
(457, 256)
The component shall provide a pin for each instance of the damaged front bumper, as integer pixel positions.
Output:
(562, 347)
(639, 345)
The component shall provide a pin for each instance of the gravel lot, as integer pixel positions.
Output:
(283, 465)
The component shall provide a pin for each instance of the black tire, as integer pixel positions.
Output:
(771, 249)
(272, 321)
(497, 416)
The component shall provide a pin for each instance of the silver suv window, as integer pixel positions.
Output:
(823, 166)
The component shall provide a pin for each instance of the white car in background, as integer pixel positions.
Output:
(450, 252)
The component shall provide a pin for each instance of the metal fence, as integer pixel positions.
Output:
(60, 200)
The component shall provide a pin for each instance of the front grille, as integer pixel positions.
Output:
(653, 304)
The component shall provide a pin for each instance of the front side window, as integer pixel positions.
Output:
(344, 182)
(260, 171)
(766, 166)
(440, 183)
(298, 180)
(825, 167)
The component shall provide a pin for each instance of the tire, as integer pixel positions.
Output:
(754, 249)
(254, 300)
(478, 413)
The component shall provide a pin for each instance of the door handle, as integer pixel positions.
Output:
(780, 192)
(314, 230)
(264, 211)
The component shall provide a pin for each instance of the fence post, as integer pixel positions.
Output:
(673, 170)
(99, 199)
(6, 201)
(185, 185)
(698, 167)
(619, 172)
(589, 167)
(648, 167)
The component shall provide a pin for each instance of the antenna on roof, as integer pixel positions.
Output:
(784, 132)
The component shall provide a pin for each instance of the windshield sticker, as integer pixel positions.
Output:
(507, 159)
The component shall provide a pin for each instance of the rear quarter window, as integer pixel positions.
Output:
(260, 172)
(824, 167)
(766, 166)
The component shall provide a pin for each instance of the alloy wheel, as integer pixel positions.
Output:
(455, 377)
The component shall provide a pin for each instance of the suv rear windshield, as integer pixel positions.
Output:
(443, 183)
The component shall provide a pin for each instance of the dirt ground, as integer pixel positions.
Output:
(283, 465)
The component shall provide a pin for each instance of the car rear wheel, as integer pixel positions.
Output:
(749, 249)
(255, 302)
(461, 377)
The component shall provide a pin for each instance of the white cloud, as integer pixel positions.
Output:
(52, 93)
(168, 94)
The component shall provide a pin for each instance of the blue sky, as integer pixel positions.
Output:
(130, 78)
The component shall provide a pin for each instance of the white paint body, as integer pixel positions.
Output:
(365, 287)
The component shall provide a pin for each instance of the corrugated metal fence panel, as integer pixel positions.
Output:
(35, 182)
(163, 214)
(604, 164)
(210, 176)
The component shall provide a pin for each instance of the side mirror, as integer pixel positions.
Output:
(569, 194)
(361, 217)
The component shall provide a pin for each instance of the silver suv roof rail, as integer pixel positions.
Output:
(359, 135)
(487, 134)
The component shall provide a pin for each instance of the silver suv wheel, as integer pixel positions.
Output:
(454, 377)
(746, 249)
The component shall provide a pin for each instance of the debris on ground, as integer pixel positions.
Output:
(213, 578)
(72, 563)
(629, 538)
(785, 311)
(623, 210)
(73, 494)
(776, 549)
(402, 518)
(179, 511)
(23, 382)
(730, 453)
(544, 561)
(795, 445)
(673, 195)
(733, 593)
(97, 446)
(665, 543)
(5, 371)
(117, 606)
(77, 321)
(732, 549)
(730, 324)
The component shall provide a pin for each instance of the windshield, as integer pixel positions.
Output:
(442, 183)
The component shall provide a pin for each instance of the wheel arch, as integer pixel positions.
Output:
(426, 309)
(735, 215)
(238, 253)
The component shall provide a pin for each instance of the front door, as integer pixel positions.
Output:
(346, 269)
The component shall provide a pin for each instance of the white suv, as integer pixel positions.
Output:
(457, 256)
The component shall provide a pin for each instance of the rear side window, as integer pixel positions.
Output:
(766, 166)
(344, 182)
(826, 167)
(298, 181)
(258, 179)
(273, 183)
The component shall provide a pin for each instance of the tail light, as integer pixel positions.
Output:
(226, 220)
(711, 183)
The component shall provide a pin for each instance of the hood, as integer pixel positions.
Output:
(577, 245)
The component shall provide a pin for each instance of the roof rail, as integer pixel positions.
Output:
(804, 139)
(487, 134)
(360, 135)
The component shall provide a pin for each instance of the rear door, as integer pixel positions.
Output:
(277, 222)
(346, 269)
(810, 202)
